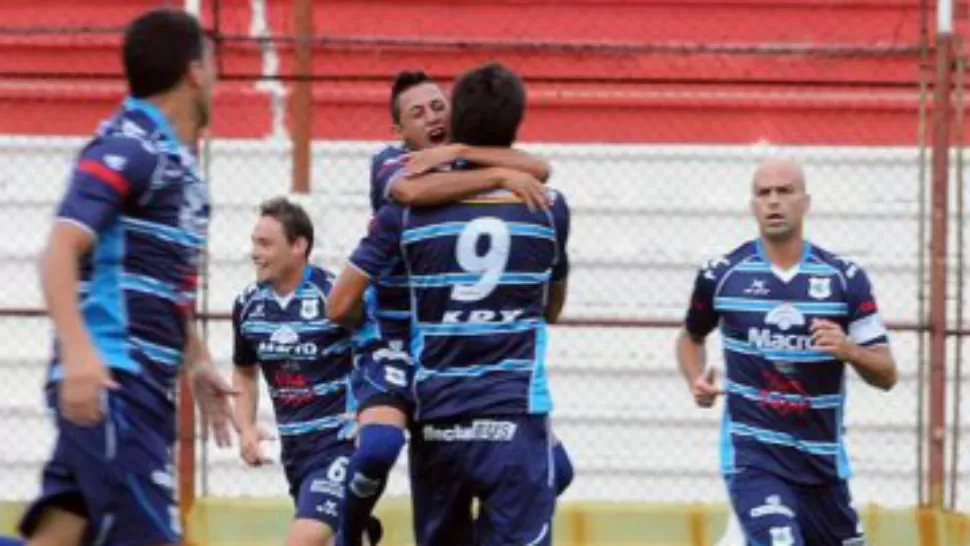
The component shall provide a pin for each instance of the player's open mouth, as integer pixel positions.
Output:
(437, 135)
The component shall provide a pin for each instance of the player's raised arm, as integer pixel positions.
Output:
(439, 187)
(691, 349)
(372, 257)
(484, 156)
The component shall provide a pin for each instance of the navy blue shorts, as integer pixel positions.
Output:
(776, 512)
(503, 462)
(317, 485)
(383, 376)
(116, 474)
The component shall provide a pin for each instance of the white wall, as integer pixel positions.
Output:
(644, 218)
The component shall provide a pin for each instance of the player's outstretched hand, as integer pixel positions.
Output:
(527, 188)
(705, 389)
(250, 449)
(213, 392)
(80, 391)
(830, 337)
(420, 162)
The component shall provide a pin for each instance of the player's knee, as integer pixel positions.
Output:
(564, 472)
(309, 532)
(57, 527)
(378, 449)
(385, 411)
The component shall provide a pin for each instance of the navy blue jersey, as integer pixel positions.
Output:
(137, 189)
(393, 298)
(305, 358)
(478, 275)
(785, 399)
(385, 168)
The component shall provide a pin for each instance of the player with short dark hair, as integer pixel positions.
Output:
(292, 219)
(280, 327)
(119, 276)
(487, 108)
(418, 172)
(485, 276)
(791, 316)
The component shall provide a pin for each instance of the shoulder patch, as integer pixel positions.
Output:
(247, 292)
(850, 268)
(711, 267)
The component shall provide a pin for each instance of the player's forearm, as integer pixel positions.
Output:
(438, 188)
(59, 281)
(508, 158)
(353, 318)
(346, 303)
(875, 365)
(196, 351)
(349, 316)
(245, 381)
(691, 356)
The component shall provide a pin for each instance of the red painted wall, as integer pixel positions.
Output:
(634, 67)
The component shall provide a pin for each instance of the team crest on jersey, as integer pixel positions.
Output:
(820, 287)
(310, 309)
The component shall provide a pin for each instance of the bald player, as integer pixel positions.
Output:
(791, 316)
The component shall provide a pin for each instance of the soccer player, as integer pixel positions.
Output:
(791, 316)
(280, 326)
(485, 276)
(119, 276)
(410, 174)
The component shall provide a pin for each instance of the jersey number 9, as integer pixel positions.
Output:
(489, 265)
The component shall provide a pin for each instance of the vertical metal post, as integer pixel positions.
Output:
(961, 207)
(942, 111)
(302, 98)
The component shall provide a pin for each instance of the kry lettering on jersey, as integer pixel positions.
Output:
(784, 316)
(482, 316)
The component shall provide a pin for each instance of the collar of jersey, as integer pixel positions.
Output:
(307, 274)
(157, 117)
(806, 252)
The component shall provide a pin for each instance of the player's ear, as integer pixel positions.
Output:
(396, 127)
(196, 74)
(300, 246)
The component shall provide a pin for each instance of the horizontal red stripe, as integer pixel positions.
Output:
(110, 177)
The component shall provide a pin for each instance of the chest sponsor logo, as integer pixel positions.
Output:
(286, 342)
(783, 317)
